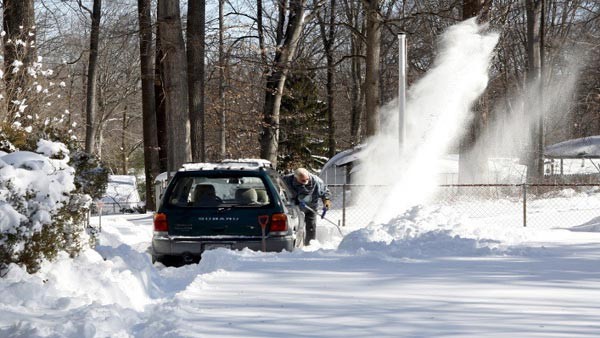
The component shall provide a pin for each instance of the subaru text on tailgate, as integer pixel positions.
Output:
(231, 204)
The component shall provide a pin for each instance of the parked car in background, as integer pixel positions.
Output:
(231, 204)
(121, 195)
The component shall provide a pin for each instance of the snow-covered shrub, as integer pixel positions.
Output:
(91, 175)
(38, 214)
(6, 146)
(44, 199)
(11, 139)
(91, 179)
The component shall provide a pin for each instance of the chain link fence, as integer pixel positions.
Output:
(348, 210)
(103, 208)
(530, 205)
(100, 208)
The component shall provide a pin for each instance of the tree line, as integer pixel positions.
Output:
(154, 84)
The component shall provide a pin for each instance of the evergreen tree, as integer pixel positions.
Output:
(303, 124)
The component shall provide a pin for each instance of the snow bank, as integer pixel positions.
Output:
(591, 226)
(87, 279)
(421, 233)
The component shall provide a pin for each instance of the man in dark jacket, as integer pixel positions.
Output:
(307, 189)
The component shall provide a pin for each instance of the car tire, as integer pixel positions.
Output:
(164, 260)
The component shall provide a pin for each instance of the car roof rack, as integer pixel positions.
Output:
(228, 164)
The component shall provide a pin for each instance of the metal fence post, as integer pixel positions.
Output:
(344, 205)
(100, 206)
(524, 204)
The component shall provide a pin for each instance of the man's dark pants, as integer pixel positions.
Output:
(310, 219)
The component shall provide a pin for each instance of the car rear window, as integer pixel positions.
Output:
(219, 191)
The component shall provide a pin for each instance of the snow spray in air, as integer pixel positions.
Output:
(508, 133)
(438, 108)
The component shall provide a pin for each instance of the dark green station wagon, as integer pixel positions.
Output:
(231, 204)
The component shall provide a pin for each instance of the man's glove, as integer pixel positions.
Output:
(326, 204)
(302, 204)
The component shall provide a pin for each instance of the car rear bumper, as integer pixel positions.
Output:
(164, 245)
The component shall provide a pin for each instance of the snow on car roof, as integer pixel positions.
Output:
(122, 179)
(228, 164)
(254, 162)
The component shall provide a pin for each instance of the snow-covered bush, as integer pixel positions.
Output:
(91, 179)
(45, 186)
(39, 216)
(67, 227)
(91, 175)
(11, 139)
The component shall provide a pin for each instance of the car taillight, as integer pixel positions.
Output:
(160, 222)
(278, 222)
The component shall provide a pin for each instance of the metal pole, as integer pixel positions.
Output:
(100, 217)
(344, 205)
(263, 220)
(524, 204)
(561, 167)
(401, 89)
(263, 239)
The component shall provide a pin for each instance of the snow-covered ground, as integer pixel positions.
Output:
(428, 272)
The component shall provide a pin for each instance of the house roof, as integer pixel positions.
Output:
(585, 147)
(344, 157)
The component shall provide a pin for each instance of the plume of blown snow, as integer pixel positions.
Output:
(438, 107)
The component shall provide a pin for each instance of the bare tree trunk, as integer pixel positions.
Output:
(151, 169)
(222, 138)
(331, 83)
(328, 39)
(195, 34)
(90, 108)
(261, 34)
(276, 80)
(356, 101)
(159, 105)
(373, 51)
(175, 83)
(353, 12)
(535, 164)
(18, 22)
(472, 159)
(100, 137)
